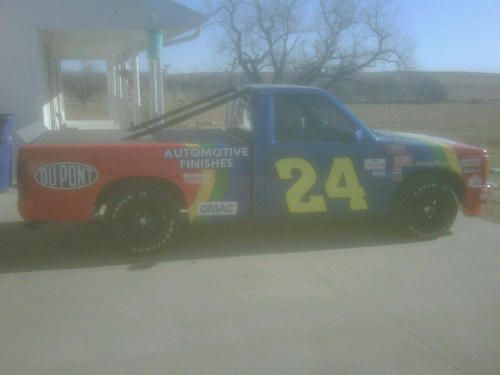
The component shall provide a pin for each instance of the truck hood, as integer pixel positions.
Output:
(432, 151)
(392, 137)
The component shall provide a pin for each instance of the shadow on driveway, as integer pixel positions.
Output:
(58, 246)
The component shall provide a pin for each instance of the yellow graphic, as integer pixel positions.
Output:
(343, 167)
(453, 162)
(307, 179)
(449, 151)
(204, 193)
(206, 188)
(342, 182)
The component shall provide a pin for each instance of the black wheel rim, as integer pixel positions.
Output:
(433, 210)
(145, 225)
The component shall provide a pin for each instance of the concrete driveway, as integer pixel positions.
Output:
(314, 299)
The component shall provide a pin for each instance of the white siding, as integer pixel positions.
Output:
(24, 89)
(21, 76)
(23, 86)
(23, 81)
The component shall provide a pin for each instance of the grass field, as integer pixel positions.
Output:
(473, 123)
(469, 86)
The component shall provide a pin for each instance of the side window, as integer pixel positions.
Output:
(310, 118)
(240, 117)
(289, 119)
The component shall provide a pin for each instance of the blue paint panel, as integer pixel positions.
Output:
(270, 191)
(380, 160)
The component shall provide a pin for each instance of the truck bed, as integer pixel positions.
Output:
(102, 137)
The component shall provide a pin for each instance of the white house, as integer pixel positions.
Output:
(35, 35)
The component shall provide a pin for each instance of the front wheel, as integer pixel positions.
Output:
(143, 220)
(426, 208)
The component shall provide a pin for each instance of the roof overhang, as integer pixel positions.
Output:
(106, 41)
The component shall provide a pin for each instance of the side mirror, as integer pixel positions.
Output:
(358, 135)
(349, 136)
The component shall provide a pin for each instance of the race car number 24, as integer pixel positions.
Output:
(297, 197)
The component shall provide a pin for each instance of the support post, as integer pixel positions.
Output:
(156, 105)
(136, 91)
(153, 109)
(161, 98)
(124, 95)
(111, 80)
(61, 98)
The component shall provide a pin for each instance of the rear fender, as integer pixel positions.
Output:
(109, 190)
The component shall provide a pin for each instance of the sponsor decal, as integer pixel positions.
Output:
(218, 209)
(375, 164)
(194, 178)
(398, 163)
(470, 165)
(395, 149)
(431, 163)
(379, 174)
(205, 157)
(66, 175)
(403, 161)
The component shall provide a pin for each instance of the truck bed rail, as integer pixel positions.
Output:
(186, 112)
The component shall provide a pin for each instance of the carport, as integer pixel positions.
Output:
(36, 35)
(120, 49)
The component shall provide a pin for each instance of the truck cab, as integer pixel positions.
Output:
(310, 151)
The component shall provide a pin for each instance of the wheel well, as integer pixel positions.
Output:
(455, 181)
(118, 185)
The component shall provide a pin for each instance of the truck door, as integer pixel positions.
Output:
(319, 161)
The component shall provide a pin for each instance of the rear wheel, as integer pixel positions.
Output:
(143, 220)
(426, 208)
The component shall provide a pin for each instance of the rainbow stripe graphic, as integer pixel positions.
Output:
(213, 187)
(444, 153)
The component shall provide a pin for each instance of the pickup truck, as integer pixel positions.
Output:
(285, 152)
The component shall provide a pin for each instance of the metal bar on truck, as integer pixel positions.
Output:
(187, 116)
(177, 111)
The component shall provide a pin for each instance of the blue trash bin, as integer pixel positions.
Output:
(6, 127)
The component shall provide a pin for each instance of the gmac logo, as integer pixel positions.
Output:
(218, 209)
(66, 176)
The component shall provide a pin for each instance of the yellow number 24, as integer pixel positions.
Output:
(342, 169)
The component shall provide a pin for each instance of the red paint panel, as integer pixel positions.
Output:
(113, 162)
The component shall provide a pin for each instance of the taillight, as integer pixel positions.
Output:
(485, 167)
(22, 178)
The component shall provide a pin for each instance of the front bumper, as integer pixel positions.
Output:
(485, 193)
(475, 198)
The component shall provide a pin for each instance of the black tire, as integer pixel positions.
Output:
(143, 220)
(426, 208)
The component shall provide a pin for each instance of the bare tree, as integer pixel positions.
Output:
(260, 35)
(352, 35)
(316, 41)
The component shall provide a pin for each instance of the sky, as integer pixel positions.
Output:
(450, 35)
